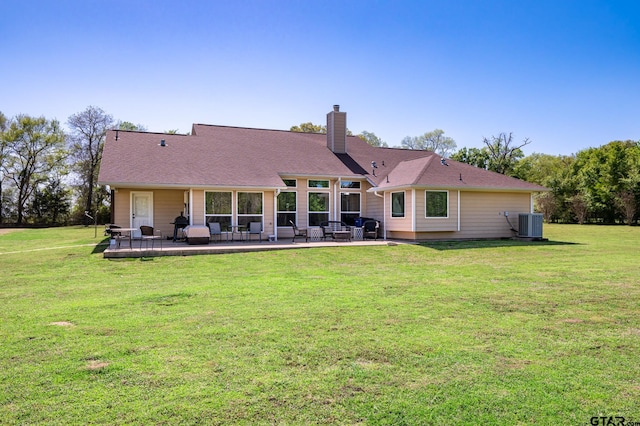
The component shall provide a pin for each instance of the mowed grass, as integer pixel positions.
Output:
(484, 332)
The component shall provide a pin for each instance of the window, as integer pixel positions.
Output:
(249, 207)
(318, 183)
(218, 208)
(349, 207)
(397, 204)
(350, 184)
(287, 209)
(437, 204)
(291, 183)
(318, 208)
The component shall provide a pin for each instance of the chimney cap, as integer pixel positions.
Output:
(336, 108)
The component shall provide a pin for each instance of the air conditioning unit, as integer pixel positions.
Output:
(530, 225)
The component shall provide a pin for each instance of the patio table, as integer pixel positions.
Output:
(121, 231)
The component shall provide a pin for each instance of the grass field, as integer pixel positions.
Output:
(489, 332)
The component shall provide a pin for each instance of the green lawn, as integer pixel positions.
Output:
(494, 332)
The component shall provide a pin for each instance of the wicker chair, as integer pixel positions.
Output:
(370, 229)
(297, 232)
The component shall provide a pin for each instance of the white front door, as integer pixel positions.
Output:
(141, 210)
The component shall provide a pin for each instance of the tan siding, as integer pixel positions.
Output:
(267, 210)
(481, 216)
(436, 224)
(482, 213)
(122, 208)
(373, 205)
(167, 205)
(197, 200)
(397, 224)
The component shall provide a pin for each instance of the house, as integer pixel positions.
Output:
(235, 175)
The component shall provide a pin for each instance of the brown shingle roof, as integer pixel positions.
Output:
(225, 156)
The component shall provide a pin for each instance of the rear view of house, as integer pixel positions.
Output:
(234, 175)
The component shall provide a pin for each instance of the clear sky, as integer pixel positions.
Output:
(564, 73)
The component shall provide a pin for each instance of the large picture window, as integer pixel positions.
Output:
(249, 208)
(397, 204)
(349, 207)
(287, 210)
(318, 208)
(437, 204)
(218, 208)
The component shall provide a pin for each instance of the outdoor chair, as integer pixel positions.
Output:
(147, 233)
(329, 228)
(370, 229)
(297, 232)
(254, 228)
(214, 229)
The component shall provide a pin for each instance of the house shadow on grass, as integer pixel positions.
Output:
(101, 246)
(481, 244)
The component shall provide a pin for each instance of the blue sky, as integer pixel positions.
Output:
(564, 73)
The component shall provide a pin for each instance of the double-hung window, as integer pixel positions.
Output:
(218, 208)
(288, 205)
(349, 202)
(318, 202)
(349, 207)
(397, 204)
(250, 208)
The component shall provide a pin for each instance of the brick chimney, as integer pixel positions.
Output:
(337, 131)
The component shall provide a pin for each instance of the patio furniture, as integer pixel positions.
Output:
(254, 228)
(341, 235)
(215, 229)
(332, 226)
(122, 234)
(147, 233)
(297, 232)
(179, 223)
(370, 229)
(197, 234)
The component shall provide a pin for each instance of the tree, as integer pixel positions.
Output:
(127, 125)
(474, 156)
(431, 141)
(580, 207)
(50, 204)
(547, 205)
(604, 173)
(372, 139)
(626, 202)
(35, 149)
(3, 128)
(309, 127)
(503, 152)
(88, 131)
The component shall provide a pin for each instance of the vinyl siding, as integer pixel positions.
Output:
(167, 204)
(433, 224)
(482, 213)
(481, 216)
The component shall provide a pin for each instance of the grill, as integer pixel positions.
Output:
(179, 223)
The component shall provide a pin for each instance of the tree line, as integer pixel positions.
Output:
(597, 185)
(49, 175)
